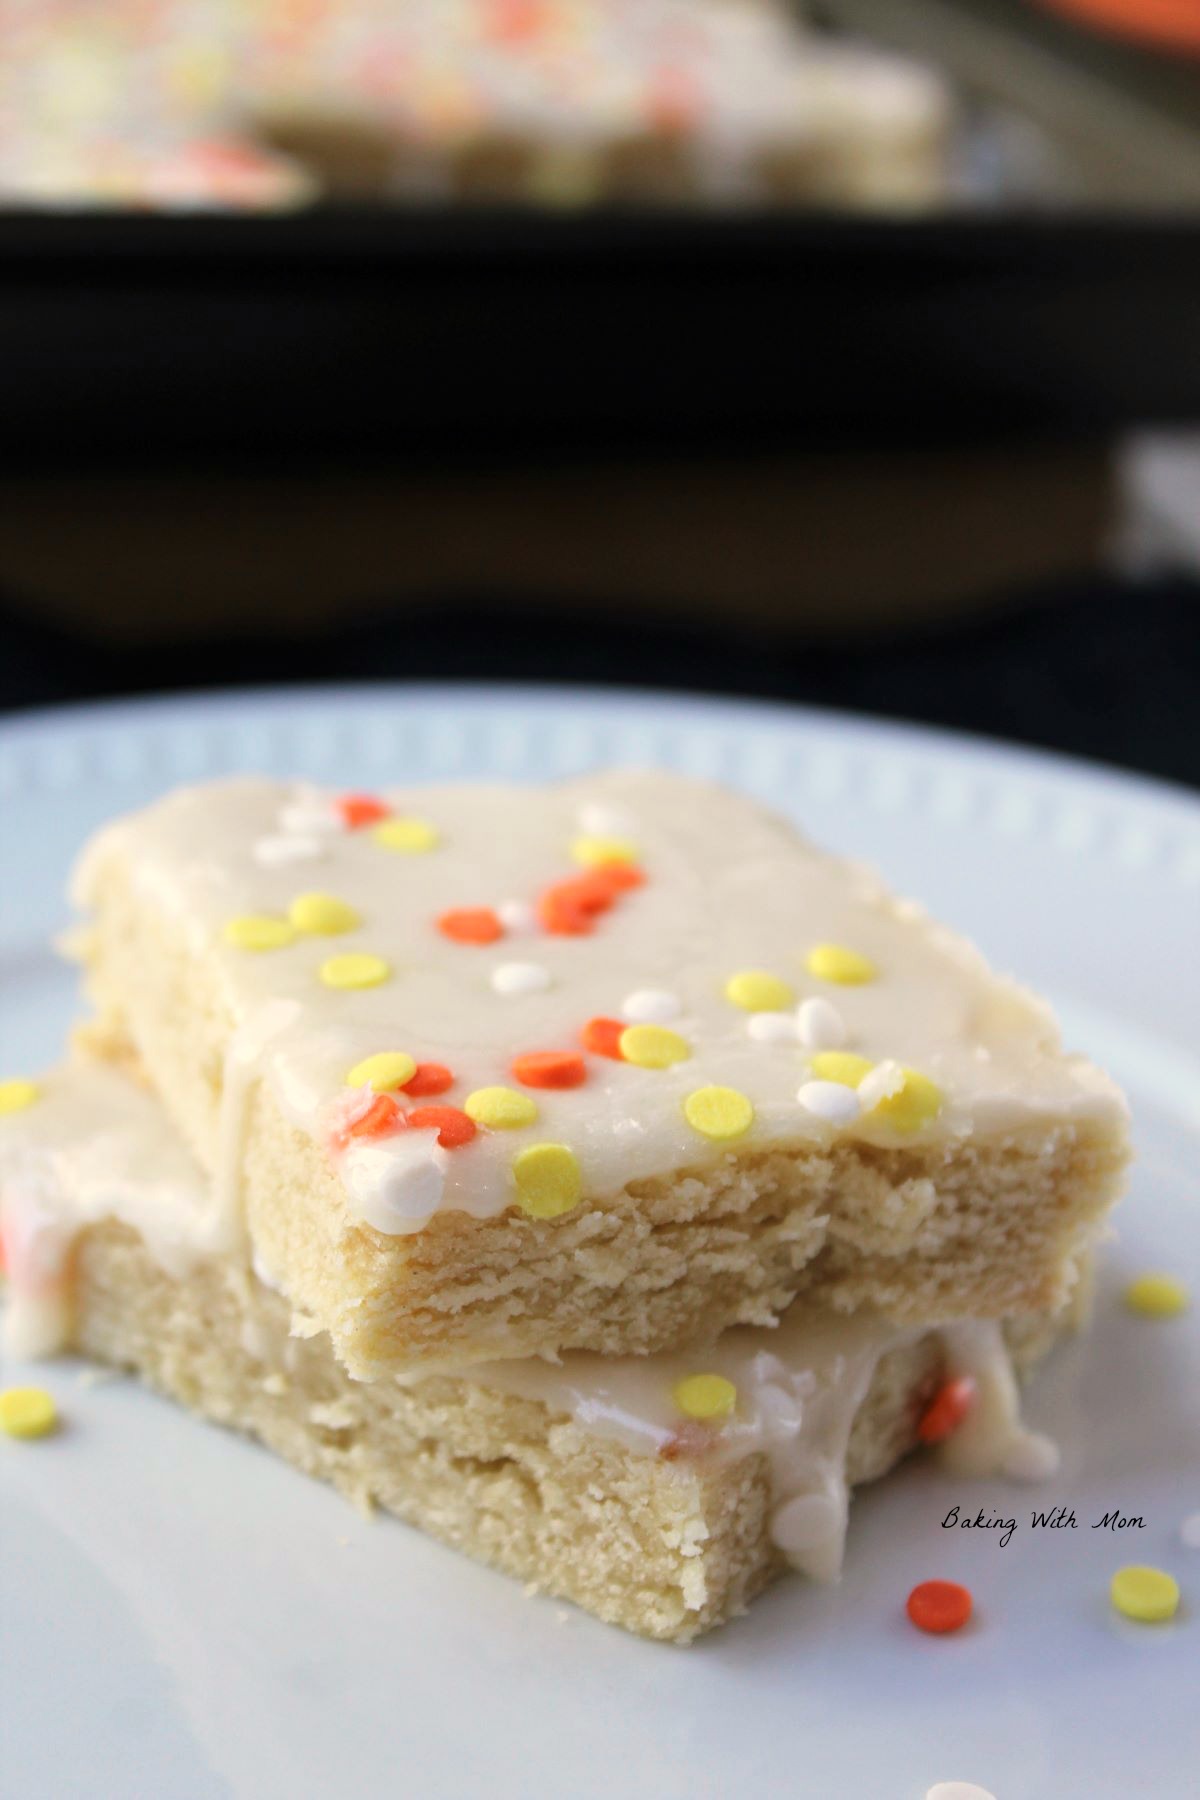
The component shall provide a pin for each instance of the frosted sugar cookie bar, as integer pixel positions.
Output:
(606, 1065)
(659, 1492)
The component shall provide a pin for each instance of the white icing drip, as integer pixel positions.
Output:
(991, 1439)
(243, 1070)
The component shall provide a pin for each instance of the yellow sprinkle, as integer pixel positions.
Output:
(705, 1396)
(548, 1180)
(594, 851)
(258, 931)
(840, 1065)
(389, 1069)
(759, 991)
(718, 1112)
(1157, 1297)
(915, 1103)
(27, 1412)
(1140, 1592)
(355, 970)
(653, 1046)
(17, 1094)
(834, 962)
(413, 836)
(323, 914)
(500, 1108)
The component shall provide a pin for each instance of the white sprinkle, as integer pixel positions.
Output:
(1031, 1457)
(520, 978)
(820, 1025)
(272, 852)
(312, 811)
(773, 1027)
(651, 1006)
(830, 1100)
(884, 1080)
(516, 915)
(958, 1790)
(598, 820)
(396, 1183)
(1189, 1531)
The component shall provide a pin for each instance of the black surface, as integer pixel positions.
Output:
(471, 336)
(1100, 669)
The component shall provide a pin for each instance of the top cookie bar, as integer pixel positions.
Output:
(612, 1064)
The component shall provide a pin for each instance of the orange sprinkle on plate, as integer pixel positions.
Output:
(603, 1037)
(939, 1606)
(550, 1069)
(450, 1122)
(470, 925)
(429, 1078)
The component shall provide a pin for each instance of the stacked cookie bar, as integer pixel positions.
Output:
(597, 1175)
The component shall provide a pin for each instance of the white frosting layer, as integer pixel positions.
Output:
(96, 1147)
(728, 888)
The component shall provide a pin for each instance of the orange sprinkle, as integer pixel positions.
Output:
(470, 925)
(511, 21)
(381, 1117)
(603, 1037)
(550, 1069)
(358, 810)
(429, 1078)
(614, 878)
(947, 1410)
(451, 1123)
(939, 1606)
(569, 908)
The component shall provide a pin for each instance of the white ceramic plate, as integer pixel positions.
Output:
(183, 1617)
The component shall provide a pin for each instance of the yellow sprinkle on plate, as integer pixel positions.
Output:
(916, 1102)
(389, 1069)
(1157, 1296)
(259, 931)
(354, 970)
(593, 852)
(17, 1094)
(548, 1180)
(653, 1046)
(836, 963)
(759, 991)
(841, 1066)
(27, 1412)
(1140, 1592)
(412, 837)
(323, 914)
(705, 1396)
(500, 1108)
(718, 1112)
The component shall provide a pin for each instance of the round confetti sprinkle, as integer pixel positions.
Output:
(957, 1790)
(357, 810)
(429, 1078)
(1148, 1595)
(600, 821)
(832, 1101)
(355, 970)
(500, 1108)
(550, 1069)
(840, 1065)
(947, 1410)
(939, 1606)
(772, 1027)
(596, 852)
(27, 1412)
(379, 1119)
(1156, 1296)
(548, 1180)
(470, 925)
(323, 914)
(275, 852)
(718, 1112)
(819, 1025)
(917, 1102)
(758, 991)
(520, 978)
(651, 1006)
(258, 931)
(653, 1046)
(705, 1396)
(571, 908)
(1189, 1531)
(453, 1126)
(835, 963)
(389, 1069)
(411, 837)
(17, 1094)
(603, 1037)
(516, 915)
